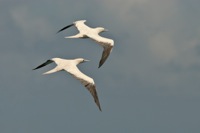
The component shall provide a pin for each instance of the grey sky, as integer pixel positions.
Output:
(150, 82)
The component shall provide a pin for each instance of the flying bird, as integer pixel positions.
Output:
(71, 67)
(93, 33)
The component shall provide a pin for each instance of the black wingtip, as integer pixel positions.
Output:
(65, 27)
(36, 68)
(44, 64)
(100, 65)
(99, 106)
(100, 109)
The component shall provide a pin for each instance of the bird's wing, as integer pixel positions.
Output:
(81, 26)
(92, 90)
(106, 43)
(105, 54)
(65, 27)
(44, 64)
(86, 81)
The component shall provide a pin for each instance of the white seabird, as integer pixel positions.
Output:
(71, 67)
(93, 33)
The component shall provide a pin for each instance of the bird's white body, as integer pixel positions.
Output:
(71, 67)
(93, 33)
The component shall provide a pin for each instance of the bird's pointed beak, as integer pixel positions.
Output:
(105, 29)
(86, 60)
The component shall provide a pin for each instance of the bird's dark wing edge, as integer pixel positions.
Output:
(93, 92)
(44, 64)
(65, 27)
(105, 54)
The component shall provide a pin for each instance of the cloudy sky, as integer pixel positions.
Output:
(150, 83)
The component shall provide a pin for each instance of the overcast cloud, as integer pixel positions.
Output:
(150, 82)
